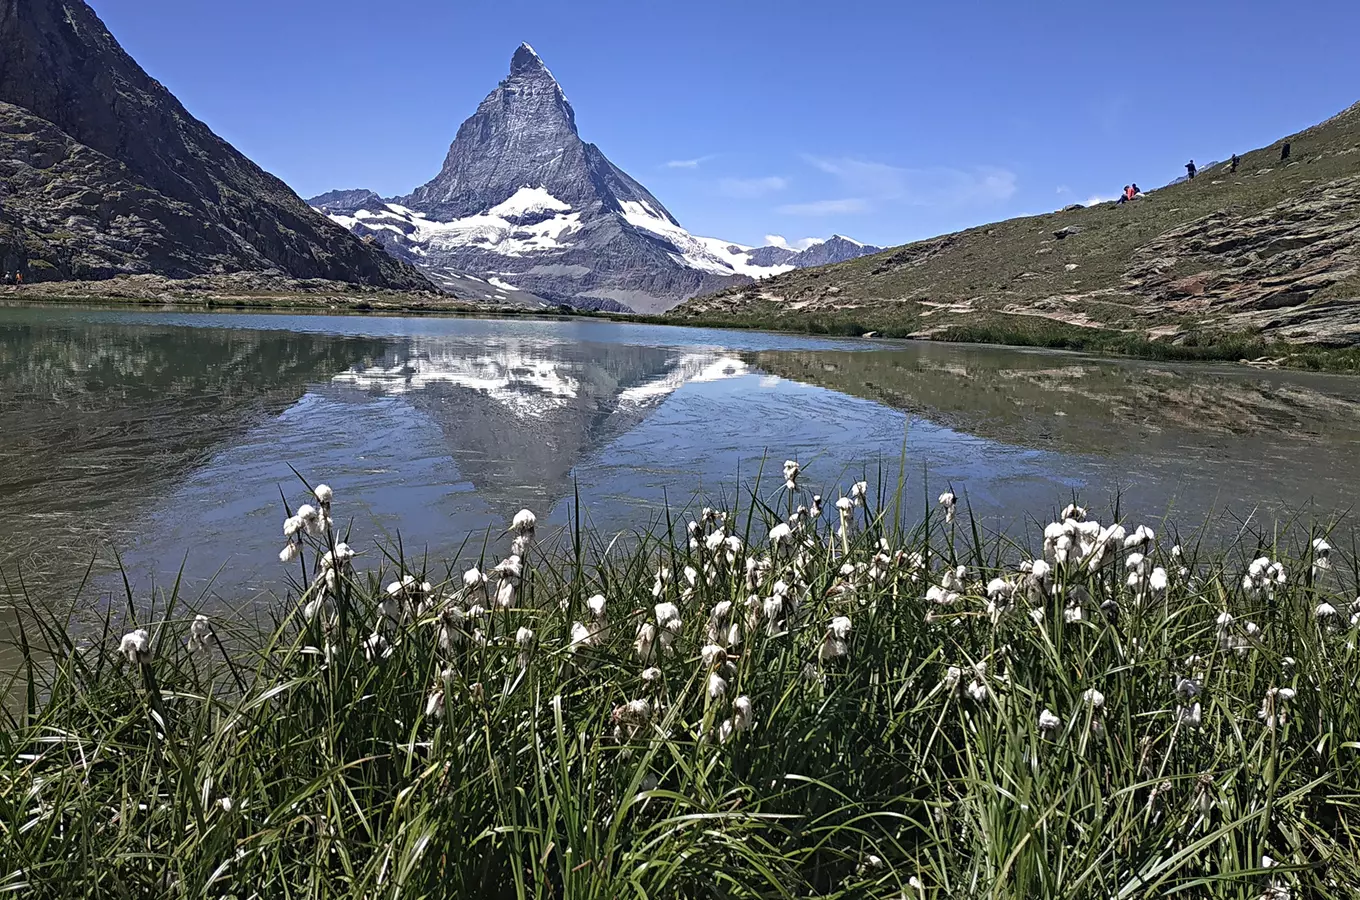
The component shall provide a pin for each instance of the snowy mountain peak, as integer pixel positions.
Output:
(522, 200)
(526, 60)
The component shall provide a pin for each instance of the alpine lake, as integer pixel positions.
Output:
(162, 443)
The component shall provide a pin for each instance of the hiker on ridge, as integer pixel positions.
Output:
(1125, 196)
(1136, 190)
(1190, 169)
(1284, 152)
(1232, 167)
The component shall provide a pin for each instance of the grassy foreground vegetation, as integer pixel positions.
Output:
(776, 700)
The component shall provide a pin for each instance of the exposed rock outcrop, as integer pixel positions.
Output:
(105, 173)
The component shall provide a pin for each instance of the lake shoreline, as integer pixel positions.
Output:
(1237, 350)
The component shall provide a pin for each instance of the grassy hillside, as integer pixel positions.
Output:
(1223, 265)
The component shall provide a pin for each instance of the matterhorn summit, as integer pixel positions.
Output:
(522, 203)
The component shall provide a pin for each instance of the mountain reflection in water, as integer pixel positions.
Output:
(168, 436)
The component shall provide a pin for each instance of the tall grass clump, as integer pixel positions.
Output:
(793, 697)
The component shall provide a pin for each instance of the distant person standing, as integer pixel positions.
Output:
(18, 277)
(1232, 166)
(1284, 152)
(1190, 169)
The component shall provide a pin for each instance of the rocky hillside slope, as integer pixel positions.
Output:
(522, 200)
(1272, 249)
(104, 173)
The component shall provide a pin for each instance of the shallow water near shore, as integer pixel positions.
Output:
(167, 436)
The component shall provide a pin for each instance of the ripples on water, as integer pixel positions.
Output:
(168, 435)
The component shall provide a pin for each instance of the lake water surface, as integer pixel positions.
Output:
(167, 436)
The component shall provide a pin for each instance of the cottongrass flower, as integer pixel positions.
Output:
(669, 624)
(581, 636)
(338, 559)
(718, 631)
(474, 585)
(948, 501)
(1074, 512)
(773, 607)
(977, 687)
(1192, 715)
(651, 674)
(524, 522)
(1105, 547)
(523, 526)
(451, 632)
(1273, 711)
(323, 494)
(631, 719)
(952, 677)
(645, 642)
(508, 572)
(1322, 556)
(845, 507)
(815, 510)
(313, 522)
(1325, 613)
(1048, 721)
(941, 597)
(1263, 575)
(837, 641)
(524, 640)
(376, 647)
(661, 581)
(713, 655)
(1096, 700)
(136, 646)
(717, 687)
(1038, 578)
(596, 604)
(199, 632)
(315, 607)
(743, 714)
(1141, 539)
(434, 703)
(791, 470)
(781, 539)
(1000, 596)
(859, 492)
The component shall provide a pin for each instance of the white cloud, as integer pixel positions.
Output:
(746, 188)
(844, 206)
(689, 163)
(1064, 189)
(936, 186)
(778, 240)
(1095, 199)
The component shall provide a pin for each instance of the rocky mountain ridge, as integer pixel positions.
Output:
(1267, 252)
(522, 200)
(104, 173)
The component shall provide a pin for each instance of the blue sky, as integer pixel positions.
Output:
(884, 121)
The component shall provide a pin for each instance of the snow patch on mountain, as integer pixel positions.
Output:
(527, 201)
(705, 254)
